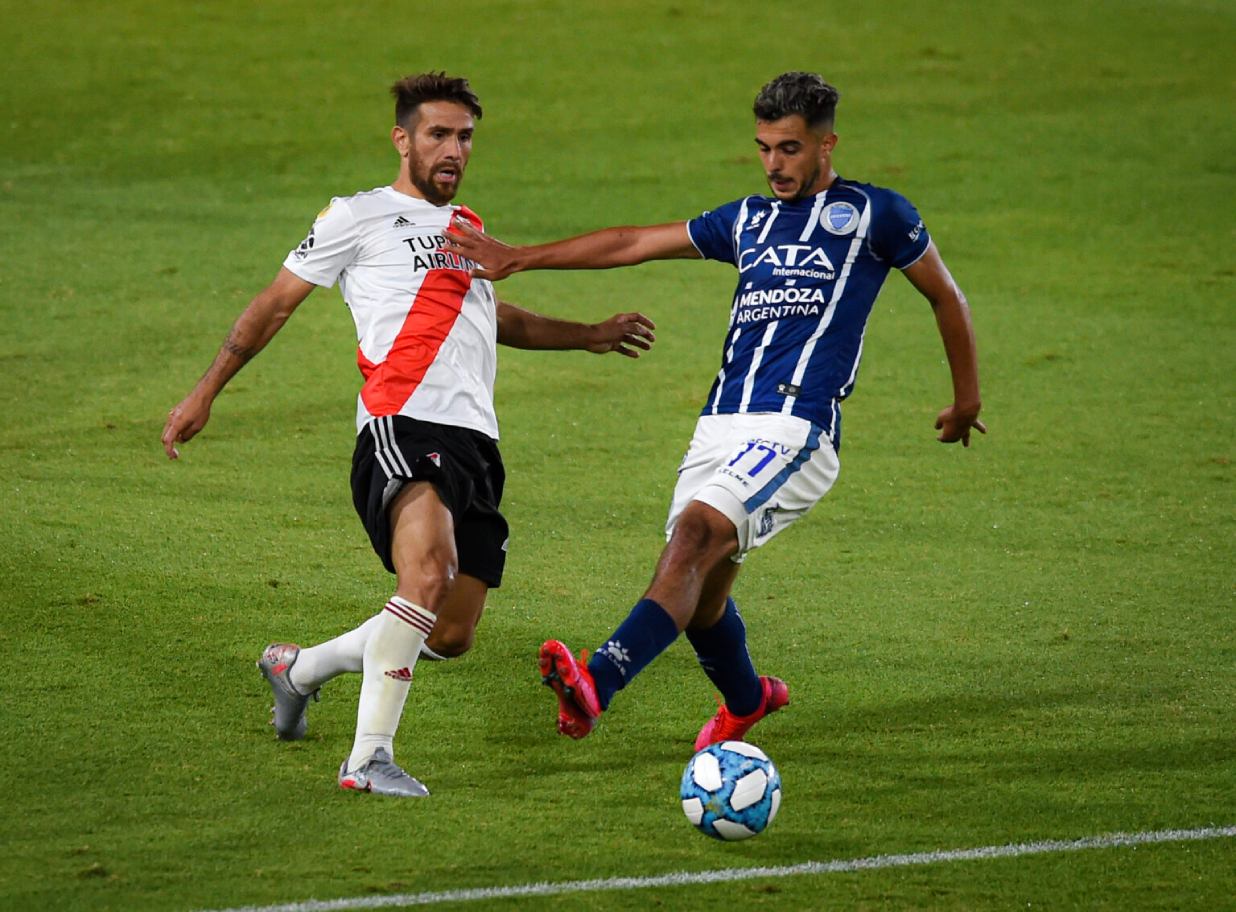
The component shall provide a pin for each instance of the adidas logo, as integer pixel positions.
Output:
(402, 222)
(403, 674)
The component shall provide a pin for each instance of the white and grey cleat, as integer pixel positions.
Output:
(290, 704)
(380, 776)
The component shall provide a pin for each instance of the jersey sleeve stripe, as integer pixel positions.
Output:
(694, 243)
(917, 258)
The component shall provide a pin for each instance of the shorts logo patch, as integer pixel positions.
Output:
(839, 218)
(766, 522)
(435, 458)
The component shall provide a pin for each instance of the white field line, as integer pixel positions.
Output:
(728, 875)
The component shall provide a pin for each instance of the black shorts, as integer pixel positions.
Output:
(463, 465)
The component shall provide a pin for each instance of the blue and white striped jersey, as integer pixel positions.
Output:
(808, 273)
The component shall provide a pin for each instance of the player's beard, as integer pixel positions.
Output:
(804, 187)
(423, 179)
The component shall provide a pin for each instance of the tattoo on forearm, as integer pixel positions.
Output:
(243, 352)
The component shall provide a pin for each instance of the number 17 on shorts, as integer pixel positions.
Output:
(760, 471)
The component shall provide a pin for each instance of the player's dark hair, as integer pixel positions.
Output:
(413, 91)
(805, 94)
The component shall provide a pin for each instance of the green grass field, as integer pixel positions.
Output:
(1028, 640)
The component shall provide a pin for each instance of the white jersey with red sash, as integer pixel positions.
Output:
(426, 330)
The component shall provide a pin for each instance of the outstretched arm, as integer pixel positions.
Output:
(931, 277)
(256, 325)
(602, 249)
(625, 333)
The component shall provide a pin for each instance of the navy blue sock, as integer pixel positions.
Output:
(645, 634)
(722, 651)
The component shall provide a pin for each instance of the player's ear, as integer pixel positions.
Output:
(401, 140)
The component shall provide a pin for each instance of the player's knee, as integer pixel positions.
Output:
(427, 579)
(450, 641)
(704, 536)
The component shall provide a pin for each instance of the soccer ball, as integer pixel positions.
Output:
(731, 790)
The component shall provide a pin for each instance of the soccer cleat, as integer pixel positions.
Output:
(290, 704)
(578, 705)
(380, 776)
(725, 726)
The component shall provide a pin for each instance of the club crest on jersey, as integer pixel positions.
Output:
(839, 218)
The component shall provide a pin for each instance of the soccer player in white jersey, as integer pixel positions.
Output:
(427, 477)
(811, 259)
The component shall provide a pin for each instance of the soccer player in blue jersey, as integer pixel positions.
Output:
(811, 259)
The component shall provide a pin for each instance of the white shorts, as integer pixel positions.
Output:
(762, 471)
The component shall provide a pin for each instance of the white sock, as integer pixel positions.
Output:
(427, 653)
(318, 664)
(390, 656)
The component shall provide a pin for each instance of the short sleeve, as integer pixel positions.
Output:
(898, 236)
(329, 249)
(713, 232)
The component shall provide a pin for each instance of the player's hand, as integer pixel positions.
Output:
(183, 423)
(495, 259)
(625, 333)
(954, 423)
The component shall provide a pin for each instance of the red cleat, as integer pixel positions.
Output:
(578, 706)
(725, 726)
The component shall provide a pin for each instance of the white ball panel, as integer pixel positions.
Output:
(732, 831)
(776, 803)
(745, 749)
(694, 809)
(748, 790)
(706, 771)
